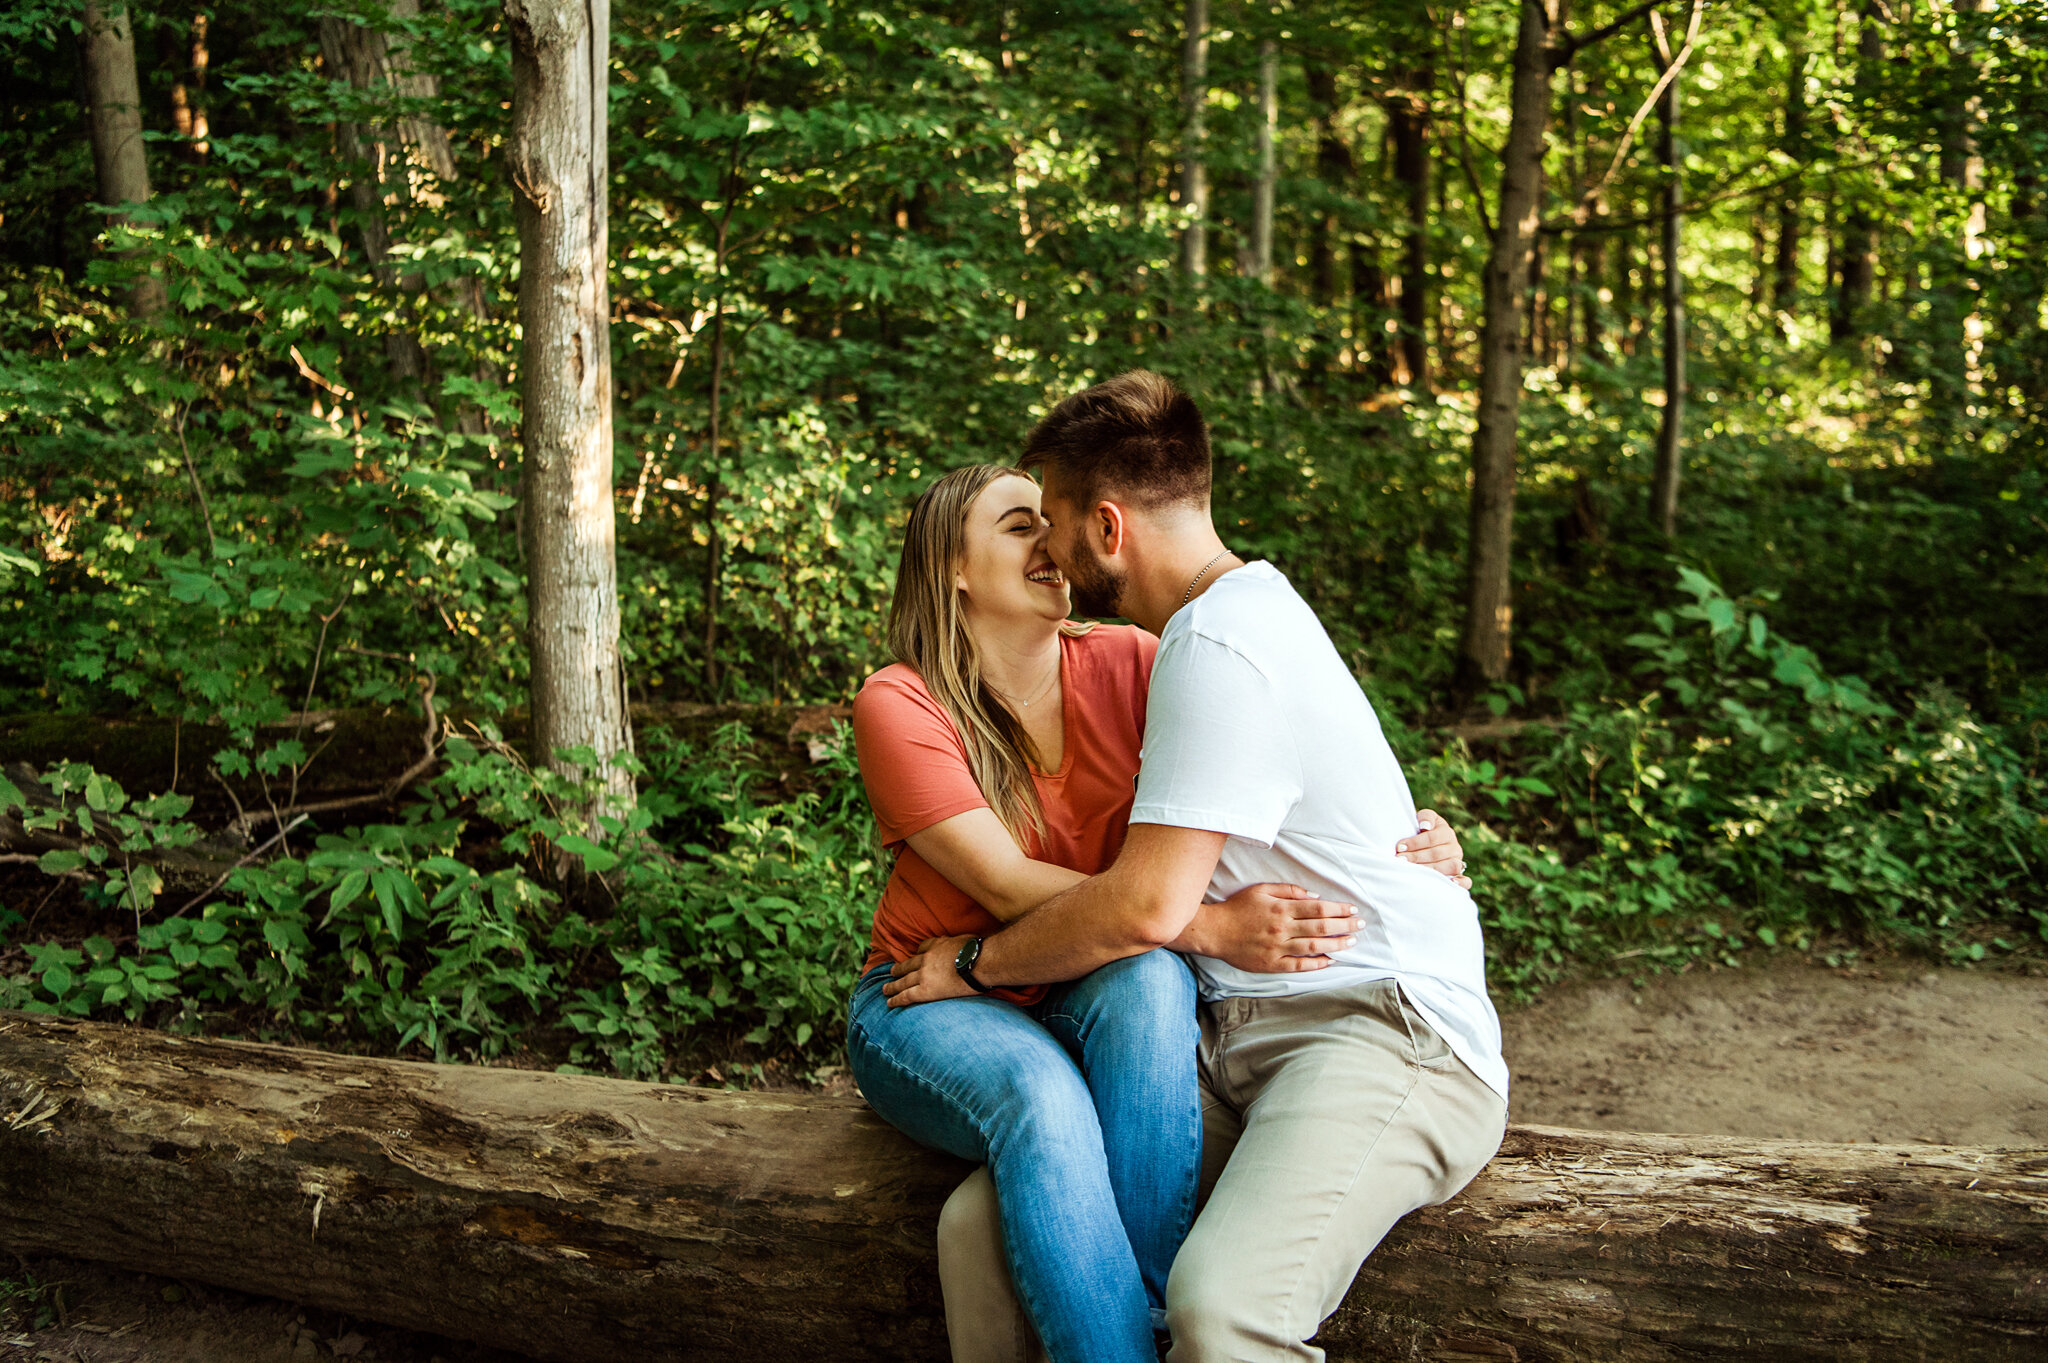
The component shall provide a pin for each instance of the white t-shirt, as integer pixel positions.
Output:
(1256, 728)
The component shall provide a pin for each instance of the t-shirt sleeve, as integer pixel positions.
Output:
(1219, 753)
(911, 760)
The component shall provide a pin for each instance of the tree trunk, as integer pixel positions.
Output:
(1489, 589)
(373, 63)
(115, 110)
(1194, 174)
(588, 1220)
(1858, 256)
(1269, 164)
(188, 91)
(1334, 166)
(557, 159)
(1785, 264)
(1958, 286)
(1408, 126)
(1671, 430)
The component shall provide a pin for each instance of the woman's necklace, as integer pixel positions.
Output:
(1027, 704)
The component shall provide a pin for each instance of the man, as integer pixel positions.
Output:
(1335, 1101)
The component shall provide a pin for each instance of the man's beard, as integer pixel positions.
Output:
(1097, 591)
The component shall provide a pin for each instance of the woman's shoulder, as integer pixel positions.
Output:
(896, 697)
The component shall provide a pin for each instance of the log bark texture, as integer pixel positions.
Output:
(579, 1218)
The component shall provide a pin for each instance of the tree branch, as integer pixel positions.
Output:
(1584, 209)
(1562, 54)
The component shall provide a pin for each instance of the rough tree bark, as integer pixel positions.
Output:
(371, 62)
(1489, 607)
(1857, 254)
(1785, 264)
(1670, 461)
(1957, 286)
(558, 159)
(1408, 127)
(1194, 170)
(584, 1219)
(1334, 166)
(115, 111)
(1269, 165)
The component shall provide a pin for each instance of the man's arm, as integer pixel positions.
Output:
(1146, 900)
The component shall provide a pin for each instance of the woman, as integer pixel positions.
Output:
(999, 754)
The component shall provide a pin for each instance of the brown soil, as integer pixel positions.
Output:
(1891, 1052)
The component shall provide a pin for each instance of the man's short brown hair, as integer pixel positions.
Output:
(1135, 437)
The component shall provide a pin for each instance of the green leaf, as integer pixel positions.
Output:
(596, 860)
(382, 880)
(56, 863)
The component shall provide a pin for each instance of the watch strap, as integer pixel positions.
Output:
(963, 964)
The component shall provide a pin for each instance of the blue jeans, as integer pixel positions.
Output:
(1085, 1108)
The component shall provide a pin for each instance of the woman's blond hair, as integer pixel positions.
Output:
(928, 633)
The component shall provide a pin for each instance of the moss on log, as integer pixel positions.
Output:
(577, 1218)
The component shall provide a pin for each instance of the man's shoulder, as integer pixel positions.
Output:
(1254, 612)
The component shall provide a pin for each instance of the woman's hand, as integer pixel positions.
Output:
(929, 975)
(1269, 929)
(1436, 847)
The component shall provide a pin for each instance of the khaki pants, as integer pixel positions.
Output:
(1327, 1117)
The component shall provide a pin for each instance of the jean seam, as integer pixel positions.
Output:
(1033, 1310)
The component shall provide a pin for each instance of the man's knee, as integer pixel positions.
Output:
(1213, 1316)
(971, 1220)
(984, 1323)
(1219, 1309)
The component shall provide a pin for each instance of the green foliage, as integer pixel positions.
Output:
(897, 232)
(1750, 796)
(405, 936)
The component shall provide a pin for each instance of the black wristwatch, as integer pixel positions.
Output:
(970, 952)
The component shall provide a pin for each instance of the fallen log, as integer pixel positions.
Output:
(577, 1218)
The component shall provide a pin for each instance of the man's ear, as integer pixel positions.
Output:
(1110, 520)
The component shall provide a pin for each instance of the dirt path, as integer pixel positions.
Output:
(1892, 1052)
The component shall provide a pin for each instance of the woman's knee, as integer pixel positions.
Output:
(1155, 986)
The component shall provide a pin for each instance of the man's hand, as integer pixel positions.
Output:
(929, 975)
(1272, 929)
(1436, 847)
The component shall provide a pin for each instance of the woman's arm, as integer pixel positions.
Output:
(977, 854)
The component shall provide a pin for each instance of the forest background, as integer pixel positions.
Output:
(1650, 399)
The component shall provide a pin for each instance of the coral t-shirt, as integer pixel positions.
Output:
(915, 768)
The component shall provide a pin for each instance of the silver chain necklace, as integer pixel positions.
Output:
(1189, 594)
(1027, 704)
